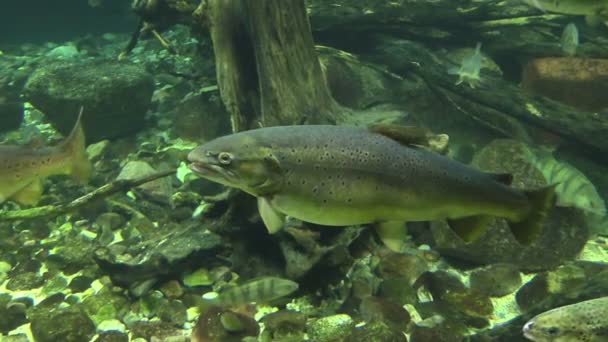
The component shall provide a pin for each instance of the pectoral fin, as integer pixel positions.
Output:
(273, 220)
(469, 228)
(30, 194)
(393, 234)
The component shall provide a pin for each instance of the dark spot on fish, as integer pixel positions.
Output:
(322, 183)
(324, 200)
(293, 150)
(299, 160)
(349, 200)
(303, 182)
(343, 183)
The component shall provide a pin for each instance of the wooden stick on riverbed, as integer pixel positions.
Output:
(99, 193)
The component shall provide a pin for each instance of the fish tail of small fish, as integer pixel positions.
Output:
(74, 147)
(530, 228)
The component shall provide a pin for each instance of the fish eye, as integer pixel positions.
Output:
(224, 158)
(553, 331)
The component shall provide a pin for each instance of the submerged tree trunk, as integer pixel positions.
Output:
(267, 69)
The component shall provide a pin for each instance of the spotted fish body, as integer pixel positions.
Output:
(581, 322)
(258, 290)
(22, 168)
(339, 176)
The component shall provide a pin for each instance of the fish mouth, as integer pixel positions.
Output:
(527, 330)
(212, 171)
(204, 169)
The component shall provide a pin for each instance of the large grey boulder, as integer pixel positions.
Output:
(115, 96)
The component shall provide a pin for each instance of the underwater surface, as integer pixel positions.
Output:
(304, 170)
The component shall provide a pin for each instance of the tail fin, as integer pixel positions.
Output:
(74, 146)
(530, 229)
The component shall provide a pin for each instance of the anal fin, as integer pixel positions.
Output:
(393, 234)
(273, 220)
(30, 194)
(470, 228)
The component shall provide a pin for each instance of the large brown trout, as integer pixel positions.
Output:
(22, 168)
(585, 321)
(340, 176)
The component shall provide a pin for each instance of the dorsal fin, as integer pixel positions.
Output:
(35, 143)
(412, 136)
(504, 178)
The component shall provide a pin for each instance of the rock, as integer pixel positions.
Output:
(127, 262)
(302, 248)
(158, 190)
(112, 336)
(410, 266)
(495, 280)
(200, 277)
(105, 305)
(172, 289)
(68, 325)
(11, 114)
(569, 283)
(73, 255)
(150, 330)
(63, 52)
(564, 234)
(11, 81)
(386, 311)
(174, 312)
(15, 338)
(201, 116)
(111, 325)
(24, 281)
(376, 331)
(221, 325)
(110, 221)
(330, 328)
(115, 96)
(80, 284)
(354, 83)
(457, 304)
(579, 82)
(284, 325)
(11, 316)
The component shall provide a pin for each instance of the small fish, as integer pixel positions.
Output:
(585, 321)
(569, 40)
(595, 11)
(23, 168)
(469, 69)
(341, 176)
(573, 188)
(258, 290)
